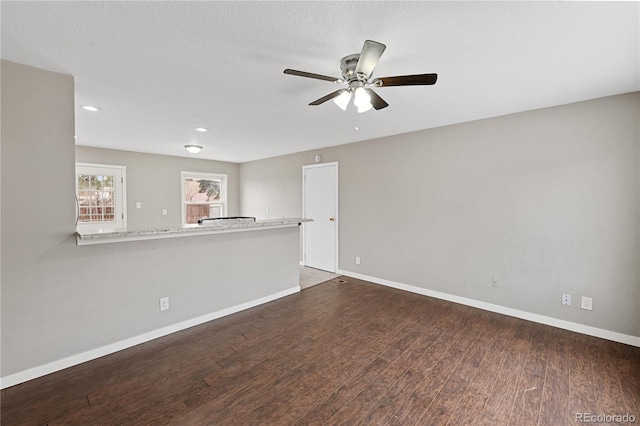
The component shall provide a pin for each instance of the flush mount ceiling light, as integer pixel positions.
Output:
(201, 129)
(193, 149)
(90, 108)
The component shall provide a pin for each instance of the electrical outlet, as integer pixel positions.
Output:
(496, 282)
(357, 260)
(164, 212)
(566, 300)
(138, 205)
(164, 303)
(587, 303)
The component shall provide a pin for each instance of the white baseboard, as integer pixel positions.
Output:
(554, 322)
(52, 367)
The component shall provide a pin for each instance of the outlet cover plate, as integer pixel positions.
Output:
(587, 303)
(566, 300)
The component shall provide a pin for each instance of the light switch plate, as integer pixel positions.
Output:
(164, 303)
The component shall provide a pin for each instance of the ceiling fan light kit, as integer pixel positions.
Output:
(357, 70)
(342, 100)
(362, 100)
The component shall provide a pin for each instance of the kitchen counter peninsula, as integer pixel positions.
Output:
(124, 234)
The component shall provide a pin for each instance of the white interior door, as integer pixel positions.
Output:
(320, 197)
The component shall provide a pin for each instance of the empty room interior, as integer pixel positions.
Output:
(320, 213)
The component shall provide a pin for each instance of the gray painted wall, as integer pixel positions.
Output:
(546, 200)
(154, 180)
(58, 299)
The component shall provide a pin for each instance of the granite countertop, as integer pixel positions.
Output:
(118, 235)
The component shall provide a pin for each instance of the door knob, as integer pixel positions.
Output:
(332, 219)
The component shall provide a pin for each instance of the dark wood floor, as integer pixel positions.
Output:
(351, 353)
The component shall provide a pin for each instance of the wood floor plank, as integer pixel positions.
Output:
(393, 399)
(397, 348)
(582, 391)
(497, 408)
(293, 404)
(299, 407)
(554, 408)
(625, 366)
(404, 366)
(441, 409)
(337, 395)
(611, 399)
(243, 405)
(555, 393)
(526, 406)
(348, 391)
(473, 400)
(227, 382)
(560, 347)
(444, 357)
(357, 349)
(354, 353)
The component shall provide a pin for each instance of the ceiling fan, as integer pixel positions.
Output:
(356, 73)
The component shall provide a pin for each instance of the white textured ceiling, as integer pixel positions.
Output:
(159, 69)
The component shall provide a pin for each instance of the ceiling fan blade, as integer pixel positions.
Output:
(311, 75)
(376, 101)
(406, 80)
(369, 57)
(328, 97)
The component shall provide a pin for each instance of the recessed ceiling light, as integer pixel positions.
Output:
(201, 129)
(90, 108)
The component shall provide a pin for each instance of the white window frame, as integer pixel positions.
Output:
(120, 197)
(201, 175)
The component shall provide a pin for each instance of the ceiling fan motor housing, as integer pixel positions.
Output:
(348, 67)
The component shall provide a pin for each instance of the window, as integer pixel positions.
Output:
(203, 195)
(100, 196)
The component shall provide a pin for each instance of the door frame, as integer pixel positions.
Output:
(304, 212)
